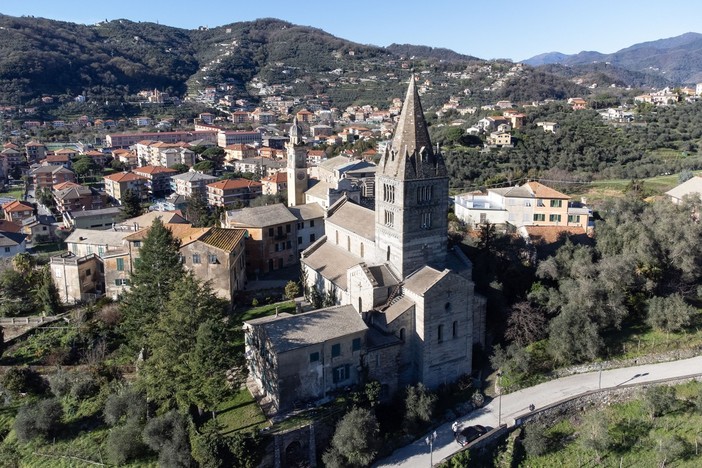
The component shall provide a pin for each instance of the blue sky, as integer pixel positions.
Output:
(511, 29)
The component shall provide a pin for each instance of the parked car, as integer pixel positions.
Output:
(470, 433)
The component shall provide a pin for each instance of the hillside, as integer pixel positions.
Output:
(678, 60)
(112, 61)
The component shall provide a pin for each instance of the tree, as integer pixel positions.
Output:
(168, 436)
(46, 197)
(131, 204)
(206, 167)
(419, 406)
(526, 324)
(124, 443)
(24, 263)
(180, 168)
(215, 155)
(292, 290)
(153, 278)
(659, 400)
(127, 405)
(84, 166)
(536, 440)
(669, 314)
(39, 420)
(198, 212)
(46, 294)
(191, 348)
(355, 441)
(595, 433)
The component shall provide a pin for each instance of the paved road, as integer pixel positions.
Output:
(517, 403)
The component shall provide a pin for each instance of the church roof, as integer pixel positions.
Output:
(287, 333)
(261, 216)
(383, 276)
(307, 211)
(411, 155)
(423, 279)
(354, 218)
(397, 308)
(330, 261)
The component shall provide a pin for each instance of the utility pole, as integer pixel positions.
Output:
(499, 399)
(430, 442)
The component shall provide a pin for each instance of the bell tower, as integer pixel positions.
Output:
(411, 195)
(297, 166)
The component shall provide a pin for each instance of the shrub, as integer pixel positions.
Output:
(124, 443)
(128, 404)
(23, 380)
(84, 388)
(168, 436)
(419, 407)
(659, 400)
(60, 383)
(38, 420)
(536, 441)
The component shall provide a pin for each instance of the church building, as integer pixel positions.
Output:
(406, 309)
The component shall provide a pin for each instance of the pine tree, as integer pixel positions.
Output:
(173, 374)
(131, 204)
(46, 294)
(153, 278)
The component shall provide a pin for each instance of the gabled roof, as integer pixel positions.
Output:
(193, 176)
(261, 216)
(307, 211)
(290, 332)
(223, 239)
(154, 170)
(423, 279)
(65, 185)
(9, 226)
(542, 191)
(145, 220)
(354, 218)
(73, 193)
(11, 239)
(124, 177)
(17, 206)
(97, 237)
(277, 178)
(231, 184)
(184, 232)
(689, 187)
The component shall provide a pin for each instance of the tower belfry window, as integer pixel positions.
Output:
(388, 193)
(389, 218)
(424, 193)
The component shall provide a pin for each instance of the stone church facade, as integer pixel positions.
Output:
(414, 297)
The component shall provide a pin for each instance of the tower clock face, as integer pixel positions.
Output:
(300, 176)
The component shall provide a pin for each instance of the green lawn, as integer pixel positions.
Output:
(240, 413)
(14, 193)
(265, 310)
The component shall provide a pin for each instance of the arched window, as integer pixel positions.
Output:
(455, 329)
(440, 334)
(402, 334)
(361, 249)
(360, 305)
(348, 243)
(388, 255)
(336, 236)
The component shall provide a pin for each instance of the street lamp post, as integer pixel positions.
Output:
(499, 399)
(430, 442)
(599, 384)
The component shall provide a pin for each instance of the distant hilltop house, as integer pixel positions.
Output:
(577, 103)
(531, 204)
(690, 188)
(405, 312)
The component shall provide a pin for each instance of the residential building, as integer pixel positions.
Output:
(499, 139)
(191, 183)
(229, 192)
(231, 137)
(125, 140)
(272, 241)
(691, 188)
(48, 176)
(548, 126)
(16, 211)
(275, 183)
(70, 196)
(322, 348)
(35, 151)
(531, 204)
(158, 179)
(310, 223)
(577, 103)
(117, 184)
(239, 151)
(12, 243)
(103, 218)
(77, 279)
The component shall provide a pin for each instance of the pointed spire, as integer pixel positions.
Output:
(411, 131)
(412, 154)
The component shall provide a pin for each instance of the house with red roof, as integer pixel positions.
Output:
(16, 211)
(117, 184)
(229, 192)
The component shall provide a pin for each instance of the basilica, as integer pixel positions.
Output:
(406, 309)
